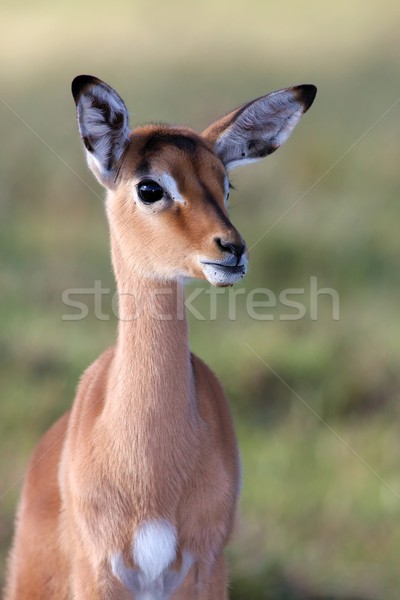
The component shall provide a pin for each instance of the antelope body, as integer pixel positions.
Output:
(132, 494)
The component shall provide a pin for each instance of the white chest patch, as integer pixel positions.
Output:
(154, 550)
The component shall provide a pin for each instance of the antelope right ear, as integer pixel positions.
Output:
(258, 128)
(103, 122)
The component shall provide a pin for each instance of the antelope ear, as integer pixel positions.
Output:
(103, 122)
(258, 128)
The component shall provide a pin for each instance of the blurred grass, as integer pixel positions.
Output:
(316, 522)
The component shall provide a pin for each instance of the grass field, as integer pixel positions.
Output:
(315, 401)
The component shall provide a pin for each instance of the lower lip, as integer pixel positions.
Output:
(223, 275)
(226, 268)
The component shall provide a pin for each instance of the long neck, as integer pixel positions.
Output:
(150, 416)
(152, 367)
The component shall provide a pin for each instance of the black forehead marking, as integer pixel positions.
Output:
(158, 140)
(143, 167)
(185, 143)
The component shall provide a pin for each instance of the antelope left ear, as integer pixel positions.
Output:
(258, 128)
(103, 122)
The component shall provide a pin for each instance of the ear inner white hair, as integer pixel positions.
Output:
(103, 124)
(261, 126)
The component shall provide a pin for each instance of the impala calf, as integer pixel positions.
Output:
(132, 494)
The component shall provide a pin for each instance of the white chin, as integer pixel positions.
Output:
(219, 275)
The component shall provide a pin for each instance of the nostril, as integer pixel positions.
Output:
(240, 249)
(227, 246)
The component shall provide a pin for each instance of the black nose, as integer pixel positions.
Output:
(228, 246)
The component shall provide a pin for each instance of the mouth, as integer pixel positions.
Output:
(221, 274)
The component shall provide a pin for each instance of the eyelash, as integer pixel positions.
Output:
(230, 187)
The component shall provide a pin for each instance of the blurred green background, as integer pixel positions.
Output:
(315, 401)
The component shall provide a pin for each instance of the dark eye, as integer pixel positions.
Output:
(150, 191)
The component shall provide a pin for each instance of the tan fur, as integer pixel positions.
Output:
(149, 436)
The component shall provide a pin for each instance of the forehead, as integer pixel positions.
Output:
(182, 153)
